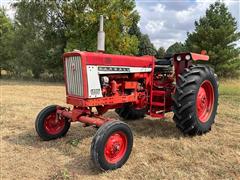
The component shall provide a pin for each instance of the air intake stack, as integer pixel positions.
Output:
(101, 36)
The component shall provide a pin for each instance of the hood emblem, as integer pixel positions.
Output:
(73, 67)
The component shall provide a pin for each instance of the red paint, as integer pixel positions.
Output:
(154, 94)
(115, 147)
(52, 125)
(101, 59)
(130, 85)
(82, 115)
(197, 57)
(205, 101)
(101, 101)
(114, 87)
(92, 120)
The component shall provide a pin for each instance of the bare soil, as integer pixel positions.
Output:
(160, 151)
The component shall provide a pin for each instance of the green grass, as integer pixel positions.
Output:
(229, 87)
(160, 151)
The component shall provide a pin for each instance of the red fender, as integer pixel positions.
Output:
(197, 57)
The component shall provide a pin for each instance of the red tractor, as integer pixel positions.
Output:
(134, 87)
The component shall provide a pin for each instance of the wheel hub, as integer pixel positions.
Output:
(115, 147)
(205, 101)
(53, 125)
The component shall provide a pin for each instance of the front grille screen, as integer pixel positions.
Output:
(73, 68)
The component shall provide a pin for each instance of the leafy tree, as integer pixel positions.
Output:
(145, 46)
(177, 47)
(217, 33)
(45, 29)
(39, 40)
(6, 35)
(161, 52)
(82, 21)
(134, 29)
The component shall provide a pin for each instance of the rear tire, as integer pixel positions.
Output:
(112, 145)
(128, 112)
(47, 127)
(196, 100)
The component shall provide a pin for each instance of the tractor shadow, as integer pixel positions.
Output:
(148, 127)
(151, 127)
(74, 138)
(162, 128)
(76, 144)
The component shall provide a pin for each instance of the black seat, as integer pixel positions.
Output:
(164, 65)
(165, 62)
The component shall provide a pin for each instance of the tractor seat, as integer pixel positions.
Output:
(164, 65)
(164, 62)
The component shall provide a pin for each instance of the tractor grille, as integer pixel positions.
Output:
(73, 66)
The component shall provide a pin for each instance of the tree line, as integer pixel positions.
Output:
(33, 42)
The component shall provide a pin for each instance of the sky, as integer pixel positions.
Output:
(168, 21)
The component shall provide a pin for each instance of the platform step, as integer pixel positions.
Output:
(158, 93)
(158, 104)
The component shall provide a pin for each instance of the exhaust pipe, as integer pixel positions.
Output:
(101, 36)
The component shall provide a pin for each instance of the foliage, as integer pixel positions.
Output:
(145, 46)
(6, 35)
(43, 30)
(39, 40)
(82, 18)
(177, 47)
(217, 33)
(161, 52)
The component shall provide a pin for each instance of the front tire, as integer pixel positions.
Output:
(112, 145)
(47, 127)
(195, 100)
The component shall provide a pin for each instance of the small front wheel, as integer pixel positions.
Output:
(112, 145)
(48, 126)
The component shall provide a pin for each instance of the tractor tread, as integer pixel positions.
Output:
(187, 82)
(99, 140)
(186, 106)
(184, 99)
(185, 95)
(191, 73)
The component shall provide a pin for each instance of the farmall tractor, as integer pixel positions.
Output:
(135, 87)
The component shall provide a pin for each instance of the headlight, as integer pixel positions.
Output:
(179, 58)
(188, 57)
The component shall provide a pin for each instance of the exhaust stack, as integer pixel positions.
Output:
(101, 36)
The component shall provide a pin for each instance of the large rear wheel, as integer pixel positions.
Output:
(196, 100)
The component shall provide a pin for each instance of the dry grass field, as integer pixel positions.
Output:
(160, 151)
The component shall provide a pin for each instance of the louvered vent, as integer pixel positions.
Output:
(73, 67)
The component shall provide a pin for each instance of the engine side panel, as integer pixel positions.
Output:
(94, 72)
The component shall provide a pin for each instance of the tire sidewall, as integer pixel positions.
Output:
(40, 128)
(205, 125)
(101, 143)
